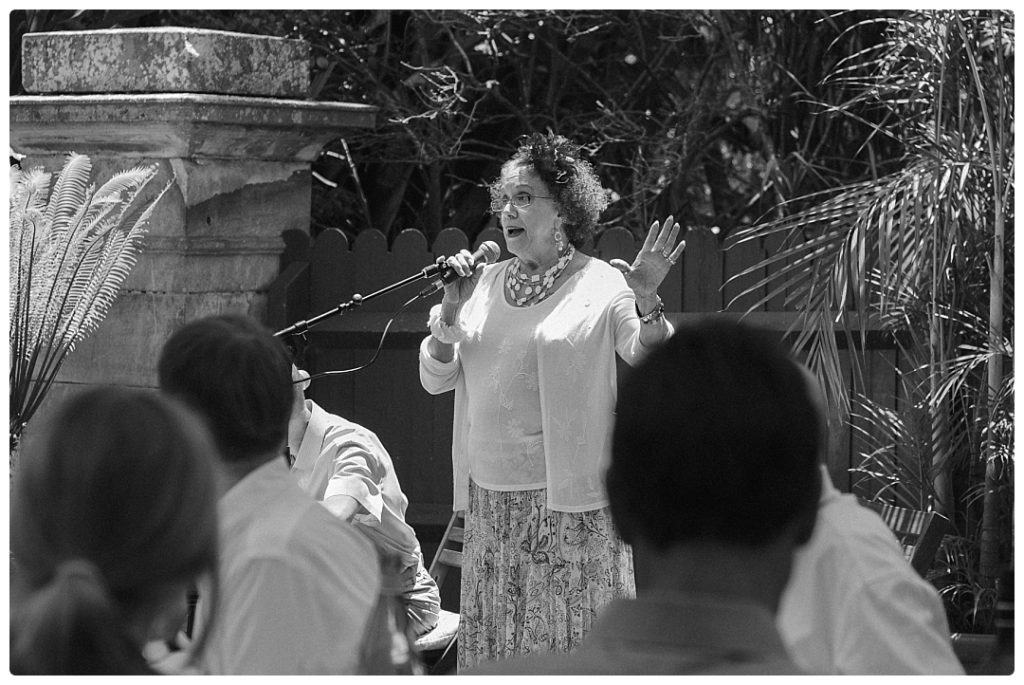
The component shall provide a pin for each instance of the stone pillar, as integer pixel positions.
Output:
(220, 114)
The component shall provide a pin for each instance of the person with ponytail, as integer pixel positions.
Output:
(113, 520)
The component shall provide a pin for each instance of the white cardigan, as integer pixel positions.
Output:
(594, 316)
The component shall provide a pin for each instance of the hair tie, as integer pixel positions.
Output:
(448, 334)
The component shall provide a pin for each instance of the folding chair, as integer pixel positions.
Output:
(919, 532)
(439, 646)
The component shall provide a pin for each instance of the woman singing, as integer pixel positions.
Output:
(529, 347)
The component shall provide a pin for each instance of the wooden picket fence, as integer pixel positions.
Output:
(320, 275)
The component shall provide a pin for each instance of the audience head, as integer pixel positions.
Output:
(237, 375)
(113, 519)
(716, 440)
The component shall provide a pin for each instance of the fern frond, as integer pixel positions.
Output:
(28, 189)
(134, 203)
(108, 265)
(70, 253)
(28, 200)
(128, 181)
(70, 193)
(117, 263)
(119, 194)
(119, 258)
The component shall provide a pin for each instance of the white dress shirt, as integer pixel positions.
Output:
(854, 605)
(297, 585)
(339, 457)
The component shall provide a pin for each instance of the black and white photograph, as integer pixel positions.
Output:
(498, 342)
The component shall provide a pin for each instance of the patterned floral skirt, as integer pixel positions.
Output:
(534, 580)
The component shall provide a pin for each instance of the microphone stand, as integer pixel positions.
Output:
(301, 327)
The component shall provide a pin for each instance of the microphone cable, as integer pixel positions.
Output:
(380, 343)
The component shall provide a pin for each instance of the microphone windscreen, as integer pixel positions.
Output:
(490, 251)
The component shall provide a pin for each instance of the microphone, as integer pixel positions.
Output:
(442, 273)
(488, 252)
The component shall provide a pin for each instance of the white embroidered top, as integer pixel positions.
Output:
(535, 386)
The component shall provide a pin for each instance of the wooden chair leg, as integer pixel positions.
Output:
(190, 619)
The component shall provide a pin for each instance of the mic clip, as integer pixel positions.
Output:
(435, 269)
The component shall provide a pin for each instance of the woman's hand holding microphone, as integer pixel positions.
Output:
(467, 267)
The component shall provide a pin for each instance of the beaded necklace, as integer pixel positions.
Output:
(526, 289)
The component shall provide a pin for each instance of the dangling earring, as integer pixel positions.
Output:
(558, 242)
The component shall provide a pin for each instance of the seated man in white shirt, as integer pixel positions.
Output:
(345, 466)
(854, 606)
(296, 585)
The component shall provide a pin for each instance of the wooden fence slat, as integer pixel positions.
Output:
(702, 272)
(448, 242)
(409, 255)
(671, 289)
(841, 458)
(736, 260)
(616, 243)
(331, 277)
(771, 245)
(374, 270)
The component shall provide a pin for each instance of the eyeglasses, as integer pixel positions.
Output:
(519, 200)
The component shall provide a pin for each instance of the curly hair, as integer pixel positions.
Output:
(570, 178)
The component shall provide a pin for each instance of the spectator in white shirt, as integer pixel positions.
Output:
(854, 606)
(345, 466)
(297, 585)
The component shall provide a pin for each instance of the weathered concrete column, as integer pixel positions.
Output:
(220, 114)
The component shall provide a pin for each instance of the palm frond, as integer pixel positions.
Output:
(917, 252)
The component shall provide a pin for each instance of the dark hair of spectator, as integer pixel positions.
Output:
(715, 439)
(237, 375)
(113, 518)
(570, 179)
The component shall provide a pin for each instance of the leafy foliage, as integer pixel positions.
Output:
(677, 108)
(71, 248)
(920, 252)
(970, 600)
(703, 114)
(916, 231)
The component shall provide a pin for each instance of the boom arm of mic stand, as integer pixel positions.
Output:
(300, 327)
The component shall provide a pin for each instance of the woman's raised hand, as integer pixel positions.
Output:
(459, 290)
(656, 257)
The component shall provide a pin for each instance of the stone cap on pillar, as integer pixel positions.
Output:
(174, 93)
(164, 60)
(167, 125)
